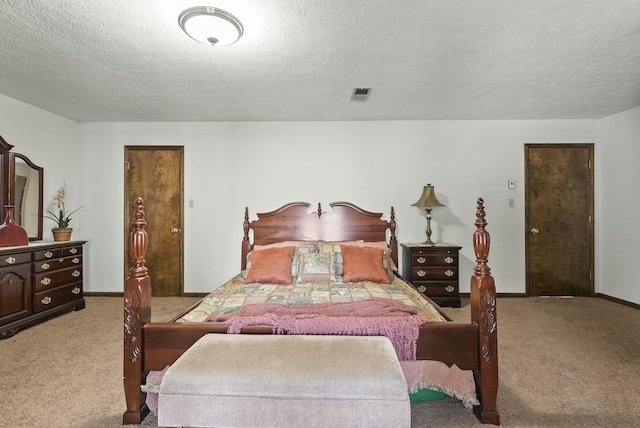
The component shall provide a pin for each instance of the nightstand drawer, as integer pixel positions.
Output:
(425, 273)
(424, 258)
(437, 288)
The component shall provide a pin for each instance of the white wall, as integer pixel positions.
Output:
(49, 141)
(619, 203)
(375, 165)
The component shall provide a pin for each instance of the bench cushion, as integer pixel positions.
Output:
(280, 380)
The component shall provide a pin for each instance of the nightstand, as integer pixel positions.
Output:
(433, 270)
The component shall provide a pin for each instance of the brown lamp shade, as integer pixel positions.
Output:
(428, 198)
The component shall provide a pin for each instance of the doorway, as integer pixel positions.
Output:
(156, 173)
(559, 219)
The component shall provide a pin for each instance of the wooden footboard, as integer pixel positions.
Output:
(152, 346)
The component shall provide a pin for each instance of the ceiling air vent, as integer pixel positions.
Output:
(360, 94)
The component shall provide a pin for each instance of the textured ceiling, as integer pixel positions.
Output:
(128, 60)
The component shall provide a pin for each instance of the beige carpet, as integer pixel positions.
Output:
(563, 363)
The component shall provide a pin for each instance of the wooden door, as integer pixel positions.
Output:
(156, 174)
(559, 219)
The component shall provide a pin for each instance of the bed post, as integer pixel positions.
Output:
(483, 314)
(137, 312)
(393, 242)
(246, 246)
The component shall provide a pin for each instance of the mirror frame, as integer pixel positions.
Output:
(7, 183)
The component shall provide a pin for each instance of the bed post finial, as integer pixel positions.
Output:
(246, 246)
(393, 242)
(481, 241)
(245, 225)
(319, 209)
(138, 242)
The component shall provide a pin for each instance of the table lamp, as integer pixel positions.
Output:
(428, 200)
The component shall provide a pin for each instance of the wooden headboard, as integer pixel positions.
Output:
(292, 222)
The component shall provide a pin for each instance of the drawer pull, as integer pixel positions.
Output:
(46, 300)
(45, 281)
(10, 260)
(421, 273)
(421, 260)
(449, 272)
(75, 273)
(48, 254)
(45, 266)
(75, 260)
(73, 250)
(422, 289)
(76, 290)
(449, 288)
(448, 260)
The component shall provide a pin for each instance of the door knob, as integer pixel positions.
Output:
(175, 230)
(534, 230)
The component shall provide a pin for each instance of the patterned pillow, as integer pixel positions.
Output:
(314, 267)
(301, 247)
(337, 268)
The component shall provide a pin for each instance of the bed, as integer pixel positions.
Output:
(151, 347)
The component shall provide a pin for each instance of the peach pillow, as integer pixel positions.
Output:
(271, 266)
(363, 264)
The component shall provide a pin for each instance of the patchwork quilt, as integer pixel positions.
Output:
(235, 293)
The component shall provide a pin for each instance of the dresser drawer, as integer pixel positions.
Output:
(49, 280)
(424, 273)
(431, 258)
(14, 259)
(56, 253)
(437, 288)
(58, 296)
(51, 265)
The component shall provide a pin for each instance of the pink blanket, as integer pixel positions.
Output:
(373, 317)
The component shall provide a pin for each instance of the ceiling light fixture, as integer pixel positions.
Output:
(210, 25)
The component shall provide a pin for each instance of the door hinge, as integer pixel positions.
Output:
(127, 164)
(590, 219)
(589, 164)
(590, 275)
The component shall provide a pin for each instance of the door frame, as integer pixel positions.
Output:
(527, 188)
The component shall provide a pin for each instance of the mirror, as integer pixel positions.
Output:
(27, 195)
(21, 182)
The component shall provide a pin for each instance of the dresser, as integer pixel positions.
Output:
(38, 282)
(433, 270)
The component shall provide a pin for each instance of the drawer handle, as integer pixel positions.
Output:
(421, 273)
(76, 290)
(448, 260)
(46, 300)
(10, 260)
(48, 254)
(45, 281)
(75, 260)
(449, 288)
(449, 272)
(45, 266)
(422, 289)
(75, 273)
(421, 260)
(73, 250)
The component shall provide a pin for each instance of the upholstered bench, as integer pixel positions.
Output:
(242, 380)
